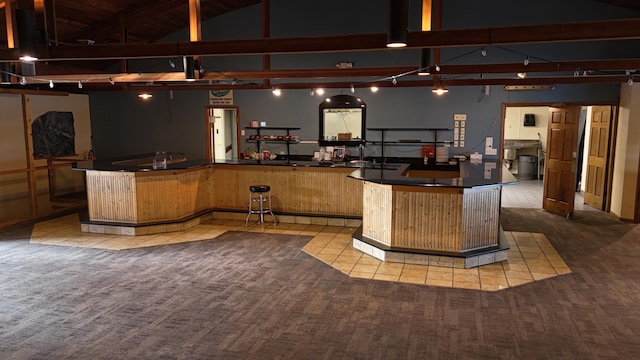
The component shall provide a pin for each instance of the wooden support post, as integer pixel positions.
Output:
(11, 24)
(28, 143)
(195, 30)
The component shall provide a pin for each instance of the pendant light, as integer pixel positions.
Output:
(398, 23)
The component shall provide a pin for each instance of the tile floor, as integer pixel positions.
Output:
(531, 257)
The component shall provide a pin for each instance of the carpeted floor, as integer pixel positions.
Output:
(258, 296)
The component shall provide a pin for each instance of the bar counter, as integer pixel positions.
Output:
(413, 213)
(145, 195)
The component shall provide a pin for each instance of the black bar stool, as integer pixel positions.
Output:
(261, 195)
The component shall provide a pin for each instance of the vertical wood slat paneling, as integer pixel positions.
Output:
(140, 198)
(481, 212)
(173, 196)
(377, 212)
(440, 219)
(427, 220)
(111, 196)
(322, 191)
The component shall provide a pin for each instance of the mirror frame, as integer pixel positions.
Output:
(342, 102)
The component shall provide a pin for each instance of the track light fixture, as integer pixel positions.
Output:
(23, 80)
(526, 61)
(312, 92)
(522, 75)
(483, 52)
(111, 81)
(352, 89)
(51, 84)
(437, 68)
(276, 91)
(79, 84)
(320, 91)
(374, 89)
(394, 81)
(172, 64)
(630, 81)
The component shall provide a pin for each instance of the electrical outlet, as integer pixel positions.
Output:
(462, 123)
(461, 137)
(463, 117)
(461, 143)
(455, 144)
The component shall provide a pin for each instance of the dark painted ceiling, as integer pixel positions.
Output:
(120, 29)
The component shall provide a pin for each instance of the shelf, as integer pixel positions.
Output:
(351, 143)
(271, 128)
(274, 141)
(260, 141)
(407, 142)
(409, 129)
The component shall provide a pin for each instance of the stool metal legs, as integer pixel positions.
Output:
(260, 198)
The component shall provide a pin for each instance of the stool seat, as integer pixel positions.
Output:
(259, 188)
(260, 195)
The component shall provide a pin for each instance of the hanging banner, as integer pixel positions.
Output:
(220, 97)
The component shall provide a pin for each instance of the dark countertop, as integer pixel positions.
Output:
(472, 174)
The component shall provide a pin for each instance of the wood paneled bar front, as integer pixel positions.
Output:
(452, 217)
(142, 195)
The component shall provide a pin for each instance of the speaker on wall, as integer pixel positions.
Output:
(529, 120)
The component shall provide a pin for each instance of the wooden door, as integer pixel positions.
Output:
(560, 169)
(599, 141)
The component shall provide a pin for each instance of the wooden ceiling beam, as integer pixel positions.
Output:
(526, 34)
(616, 67)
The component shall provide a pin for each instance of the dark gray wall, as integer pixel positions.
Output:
(123, 125)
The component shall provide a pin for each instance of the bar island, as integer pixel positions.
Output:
(411, 213)
(405, 208)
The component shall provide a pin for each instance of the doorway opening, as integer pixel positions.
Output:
(525, 139)
(223, 137)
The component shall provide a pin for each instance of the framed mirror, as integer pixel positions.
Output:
(342, 121)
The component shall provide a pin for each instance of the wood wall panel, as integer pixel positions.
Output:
(111, 196)
(173, 196)
(138, 197)
(377, 212)
(428, 220)
(431, 218)
(299, 190)
(480, 218)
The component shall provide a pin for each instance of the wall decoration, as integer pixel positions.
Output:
(220, 97)
(53, 134)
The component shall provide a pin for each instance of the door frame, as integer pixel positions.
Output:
(614, 134)
(208, 127)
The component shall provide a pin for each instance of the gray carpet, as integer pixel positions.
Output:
(258, 296)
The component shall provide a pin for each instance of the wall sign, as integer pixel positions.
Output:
(220, 97)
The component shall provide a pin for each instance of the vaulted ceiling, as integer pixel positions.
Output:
(93, 35)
